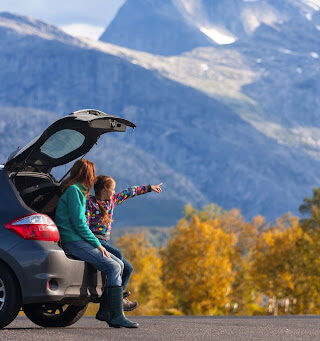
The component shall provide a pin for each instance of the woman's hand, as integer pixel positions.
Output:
(157, 188)
(104, 251)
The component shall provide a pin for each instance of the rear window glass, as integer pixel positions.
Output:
(62, 143)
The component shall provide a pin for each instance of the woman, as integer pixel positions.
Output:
(78, 240)
(99, 218)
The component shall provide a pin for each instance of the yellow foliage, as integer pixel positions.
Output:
(282, 266)
(197, 266)
(145, 284)
(218, 263)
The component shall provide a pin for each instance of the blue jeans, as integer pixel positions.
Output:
(128, 268)
(112, 267)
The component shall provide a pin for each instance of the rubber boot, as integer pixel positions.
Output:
(115, 303)
(103, 313)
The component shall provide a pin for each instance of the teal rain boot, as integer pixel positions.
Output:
(103, 313)
(115, 303)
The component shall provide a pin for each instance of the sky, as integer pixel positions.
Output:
(77, 17)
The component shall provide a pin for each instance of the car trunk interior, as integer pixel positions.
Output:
(39, 191)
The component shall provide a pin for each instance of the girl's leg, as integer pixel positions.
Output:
(128, 268)
(112, 249)
(127, 272)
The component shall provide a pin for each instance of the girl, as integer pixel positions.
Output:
(99, 218)
(78, 240)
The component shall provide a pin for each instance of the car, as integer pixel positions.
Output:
(52, 288)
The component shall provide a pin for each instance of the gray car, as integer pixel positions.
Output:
(52, 288)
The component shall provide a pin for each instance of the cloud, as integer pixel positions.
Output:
(84, 30)
(66, 12)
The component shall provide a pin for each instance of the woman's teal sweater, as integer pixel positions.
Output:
(71, 217)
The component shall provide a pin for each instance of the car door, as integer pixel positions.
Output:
(65, 140)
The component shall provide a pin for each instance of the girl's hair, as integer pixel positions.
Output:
(84, 172)
(103, 182)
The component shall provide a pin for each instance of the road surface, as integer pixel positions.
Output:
(173, 328)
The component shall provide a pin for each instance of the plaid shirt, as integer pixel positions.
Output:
(93, 212)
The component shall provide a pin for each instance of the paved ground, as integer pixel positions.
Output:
(174, 328)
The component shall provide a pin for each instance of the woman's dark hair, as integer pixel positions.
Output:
(103, 182)
(84, 172)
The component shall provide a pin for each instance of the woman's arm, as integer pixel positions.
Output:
(78, 217)
(134, 191)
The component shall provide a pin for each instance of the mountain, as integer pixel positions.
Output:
(171, 27)
(276, 45)
(201, 148)
(148, 25)
(287, 60)
(240, 18)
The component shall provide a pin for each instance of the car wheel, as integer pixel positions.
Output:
(10, 297)
(54, 315)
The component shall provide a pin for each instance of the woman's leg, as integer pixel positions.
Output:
(111, 306)
(88, 253)
(128, 268)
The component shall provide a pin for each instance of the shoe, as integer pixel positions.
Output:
(115, 305)
(104, 313)
(126, 294)
(128, 305)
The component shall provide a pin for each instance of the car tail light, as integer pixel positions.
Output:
(35, 226)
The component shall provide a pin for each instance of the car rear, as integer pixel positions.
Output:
(29, 248)
(34, 271)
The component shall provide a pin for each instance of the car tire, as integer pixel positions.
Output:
(10, 296)
(45, 315)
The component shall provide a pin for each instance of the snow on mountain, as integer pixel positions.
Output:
(278, 45)
(153, 26)
(174, 26)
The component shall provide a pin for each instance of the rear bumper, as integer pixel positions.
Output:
(46, 274)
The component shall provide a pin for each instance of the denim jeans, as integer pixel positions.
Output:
(128, 268)
(112, 267)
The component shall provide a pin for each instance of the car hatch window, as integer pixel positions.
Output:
(62, 143)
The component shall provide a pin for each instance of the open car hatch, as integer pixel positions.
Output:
(65, 140)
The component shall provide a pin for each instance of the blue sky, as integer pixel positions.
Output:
(83, 18)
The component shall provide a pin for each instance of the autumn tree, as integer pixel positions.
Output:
(197, 266)
(145, 283)
(283, 267)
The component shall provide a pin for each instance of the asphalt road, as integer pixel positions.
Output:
(174, 328)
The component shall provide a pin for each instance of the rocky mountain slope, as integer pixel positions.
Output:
(268, 71)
